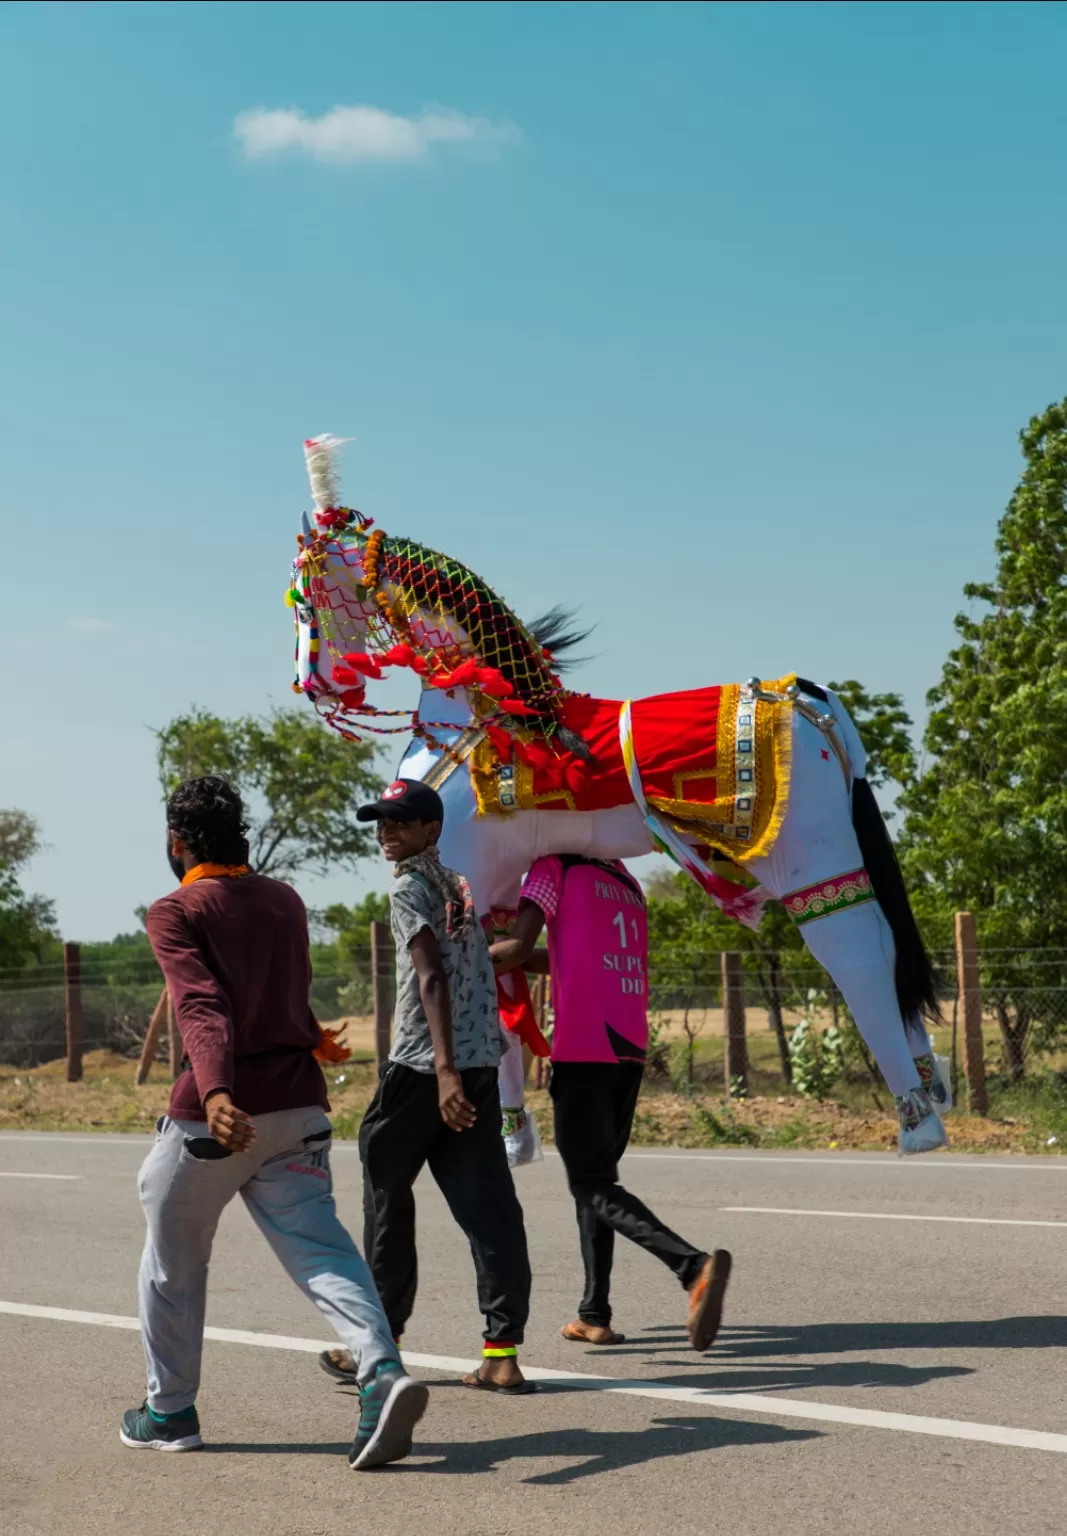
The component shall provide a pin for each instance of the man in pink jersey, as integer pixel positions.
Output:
(598, 961)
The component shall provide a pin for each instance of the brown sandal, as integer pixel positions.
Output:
(331, 1359)
(706, 1298)
(572, 1332)
(480, 1384)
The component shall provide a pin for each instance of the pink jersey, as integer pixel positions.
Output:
(598, 958)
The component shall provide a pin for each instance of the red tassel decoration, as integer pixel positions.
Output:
(502, 741)
(400, 655)
(363, 663)
(493, 682)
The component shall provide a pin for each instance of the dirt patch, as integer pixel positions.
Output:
(108, 1100)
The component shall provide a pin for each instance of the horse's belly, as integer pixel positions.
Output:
(495, 852)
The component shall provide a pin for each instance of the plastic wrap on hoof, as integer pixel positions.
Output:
(936, 1077)
(522, 1139)
(942, 1089)
(921, 1129)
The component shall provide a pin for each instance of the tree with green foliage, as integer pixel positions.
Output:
(687, 933)
(885, 728)
(347, 957)
(351, 928)
(986, 825)
(27, 923)
(301, 784)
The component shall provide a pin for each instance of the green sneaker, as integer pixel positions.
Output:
(143, 1430)
(390, 1405)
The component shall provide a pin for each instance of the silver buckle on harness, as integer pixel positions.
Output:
(824, 720)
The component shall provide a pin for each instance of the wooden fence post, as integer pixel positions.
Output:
(735, 1051)
(382, 971)
(151, 1039)
(72, 976)
(970, 999)
(174, 1040)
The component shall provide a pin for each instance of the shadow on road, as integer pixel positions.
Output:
(840, 1338)
(595, 1450)
(849, 1338)
(776, 1377)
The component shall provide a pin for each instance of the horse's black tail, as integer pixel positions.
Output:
(916, 980)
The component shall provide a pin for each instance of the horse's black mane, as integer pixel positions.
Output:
(554, 630)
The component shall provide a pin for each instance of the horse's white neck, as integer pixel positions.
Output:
(445, 708)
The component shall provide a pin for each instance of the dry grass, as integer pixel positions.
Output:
(108, 1100)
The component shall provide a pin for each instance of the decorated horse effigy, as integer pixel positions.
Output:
(757, 790)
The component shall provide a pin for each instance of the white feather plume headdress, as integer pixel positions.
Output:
(322, 455)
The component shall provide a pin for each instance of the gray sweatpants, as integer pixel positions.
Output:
(186, 1182)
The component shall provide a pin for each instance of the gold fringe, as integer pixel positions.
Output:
(778, 738)
(483, 763)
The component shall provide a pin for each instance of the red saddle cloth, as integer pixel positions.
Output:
(675, 736)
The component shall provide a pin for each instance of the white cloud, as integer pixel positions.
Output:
(363, 135)
(90, 626)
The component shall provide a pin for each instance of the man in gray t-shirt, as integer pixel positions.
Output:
(414, 904)
(438, 1101)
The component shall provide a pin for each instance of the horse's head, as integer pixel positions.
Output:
(365, 601)
(328, 592)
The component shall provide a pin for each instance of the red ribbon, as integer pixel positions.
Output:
(517, 1012)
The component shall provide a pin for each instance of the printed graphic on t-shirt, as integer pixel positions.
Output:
(598, 955)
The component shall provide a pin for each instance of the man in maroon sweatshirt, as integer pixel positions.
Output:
(247, 1116)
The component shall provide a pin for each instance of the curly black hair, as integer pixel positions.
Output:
(208, 815)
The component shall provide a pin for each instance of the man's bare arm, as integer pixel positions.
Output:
(521, 946)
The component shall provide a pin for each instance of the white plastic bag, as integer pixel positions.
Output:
(943, 1069)
(522, 1138)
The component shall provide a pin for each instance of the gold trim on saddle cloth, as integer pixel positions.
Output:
(505, 787)
(753, 760)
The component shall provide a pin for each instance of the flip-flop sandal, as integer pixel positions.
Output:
(479, 1384)
(571, 1333)
(336, 1371)
(706, 1299)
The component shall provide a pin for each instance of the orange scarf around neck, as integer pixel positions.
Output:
(214, 872)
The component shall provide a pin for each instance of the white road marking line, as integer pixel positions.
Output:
(945, 1162)
(5, 1175)
(976, 1221)
(739, 1402)
(66, 1139)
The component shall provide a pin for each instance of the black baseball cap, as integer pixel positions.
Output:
(404, 800)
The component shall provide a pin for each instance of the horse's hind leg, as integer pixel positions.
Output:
(856, 947)
(816, 845)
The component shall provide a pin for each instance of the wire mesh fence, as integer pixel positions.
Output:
(1023, 1016)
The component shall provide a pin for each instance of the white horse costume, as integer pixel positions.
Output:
(766, 782)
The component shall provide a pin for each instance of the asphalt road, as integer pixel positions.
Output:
(875, 1373)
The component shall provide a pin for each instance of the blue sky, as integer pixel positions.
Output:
(718, 322)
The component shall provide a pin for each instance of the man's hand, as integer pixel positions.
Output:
(457, 1111)
(230, 1126)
